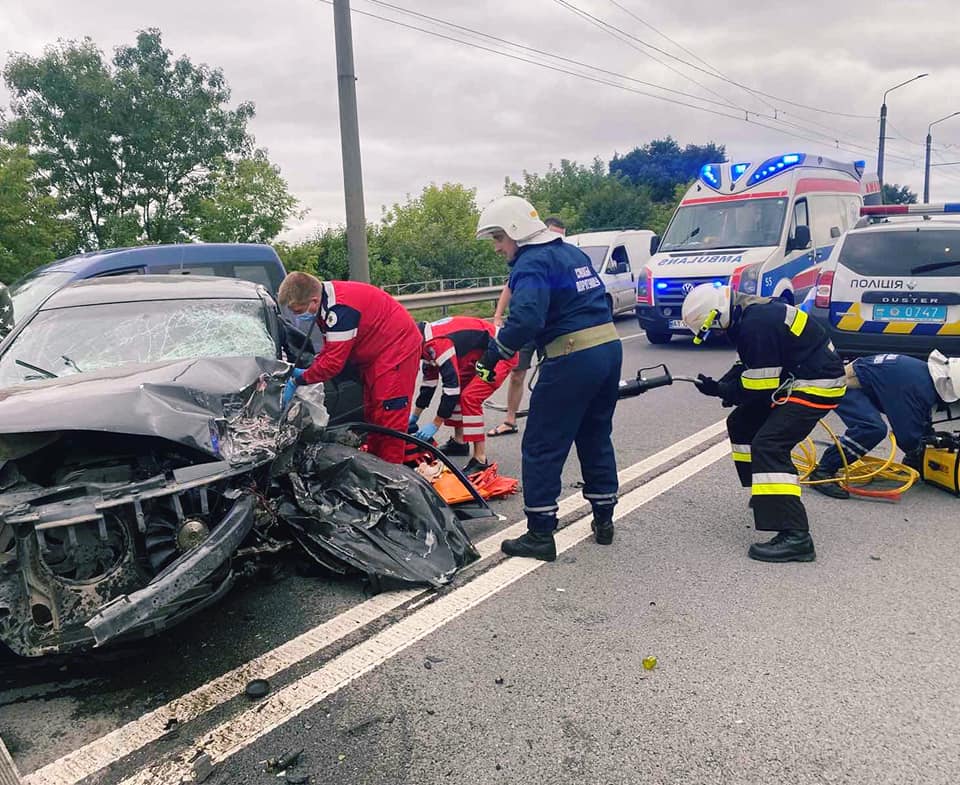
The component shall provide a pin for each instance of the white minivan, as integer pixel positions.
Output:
(618, 257)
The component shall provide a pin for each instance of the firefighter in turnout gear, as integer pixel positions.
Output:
(366, 326)
(906, 390)
(559, 302)
(788, 378)
(451, 348)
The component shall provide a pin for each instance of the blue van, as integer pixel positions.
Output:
(252, 262)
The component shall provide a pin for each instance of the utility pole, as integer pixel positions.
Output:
(350, 144)
(883, 127)
(926, 167)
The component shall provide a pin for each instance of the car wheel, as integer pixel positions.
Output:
(658, 338)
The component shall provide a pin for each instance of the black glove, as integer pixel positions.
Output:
(708, 385)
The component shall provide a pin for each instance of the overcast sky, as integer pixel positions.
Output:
(433, 110)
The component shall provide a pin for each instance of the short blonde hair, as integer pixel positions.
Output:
(298, 289)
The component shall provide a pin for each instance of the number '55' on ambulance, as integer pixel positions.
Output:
(764, 228)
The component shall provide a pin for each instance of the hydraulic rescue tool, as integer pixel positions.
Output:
(941, 461)
(642, 383)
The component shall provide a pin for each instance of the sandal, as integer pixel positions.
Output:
(503, 429)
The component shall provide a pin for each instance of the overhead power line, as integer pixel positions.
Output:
(571, 7)
(839, 144)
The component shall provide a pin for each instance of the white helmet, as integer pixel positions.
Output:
(516, 218)
(706, 306)
(945, 372)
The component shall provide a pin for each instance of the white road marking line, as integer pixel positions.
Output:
(276, 710)
(136, 734)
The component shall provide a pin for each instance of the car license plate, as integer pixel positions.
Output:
(910, 313)
(677, 324)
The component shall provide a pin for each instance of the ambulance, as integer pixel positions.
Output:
(764, 228)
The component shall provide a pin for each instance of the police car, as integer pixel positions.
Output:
(892, 283)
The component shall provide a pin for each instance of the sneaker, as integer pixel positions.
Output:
(787, 545)
(536, 545)
(474, 466)
(453, 447)
(832, 489)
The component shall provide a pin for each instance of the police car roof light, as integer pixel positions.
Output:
(911, 209)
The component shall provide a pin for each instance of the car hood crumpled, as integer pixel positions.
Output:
(183, 401)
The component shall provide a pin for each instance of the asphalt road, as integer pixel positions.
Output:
(838, 671)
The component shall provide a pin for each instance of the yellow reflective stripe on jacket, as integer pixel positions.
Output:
(825, 388)
(741, 452)
(775, 484)
(759, 384)
(796, 320)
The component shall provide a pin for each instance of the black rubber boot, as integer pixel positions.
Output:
(832, 489)
(602, 525)
(536, 545)
(788, 545)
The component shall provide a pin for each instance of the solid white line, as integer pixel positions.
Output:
(136, 734)
(276, 710)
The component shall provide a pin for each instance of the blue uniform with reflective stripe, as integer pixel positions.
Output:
(555, 291)
(892, 384)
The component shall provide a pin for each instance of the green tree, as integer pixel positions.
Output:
(128, 147)
(662, 165)
(432, 236)
(248, 203)
(898, 194)
(585, 198)
(31, 231)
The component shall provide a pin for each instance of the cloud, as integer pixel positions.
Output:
(433, 110)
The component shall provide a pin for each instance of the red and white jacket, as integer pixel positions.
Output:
(451, 348)
(362, 324)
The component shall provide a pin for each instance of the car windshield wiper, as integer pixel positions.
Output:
(926, 268)
(71, 363)
(38, 369)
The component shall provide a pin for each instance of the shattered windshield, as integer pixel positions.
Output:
(751, 223)
(75, 340)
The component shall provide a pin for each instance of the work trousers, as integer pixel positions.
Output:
(572, 402)
(762, 437)
(865, 430)
(386, 402)
(468, 414)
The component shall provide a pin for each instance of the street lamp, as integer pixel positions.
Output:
(883, 125)
(926, 168)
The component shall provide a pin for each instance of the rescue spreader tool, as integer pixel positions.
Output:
(642, 383)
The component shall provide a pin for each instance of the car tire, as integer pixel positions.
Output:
(658, 338)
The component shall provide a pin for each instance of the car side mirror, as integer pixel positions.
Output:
(835, 232)
(800, 239)
(654, 244)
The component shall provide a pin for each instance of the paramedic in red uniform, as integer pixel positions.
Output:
(451, 348)
(365, 325)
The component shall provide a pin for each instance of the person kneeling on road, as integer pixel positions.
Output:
(903, 388)
(365, 325)
(451, 348)
(789, 376)
(558, 301)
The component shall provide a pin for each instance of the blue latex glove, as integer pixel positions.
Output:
(291, 386)
(427, 432)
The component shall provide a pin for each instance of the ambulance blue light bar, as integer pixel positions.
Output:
(710, 175)
(773, 166)
(737, 170)
(911, 209)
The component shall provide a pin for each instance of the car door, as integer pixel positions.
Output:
(618, 278)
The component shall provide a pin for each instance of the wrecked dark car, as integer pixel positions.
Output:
(143, 450)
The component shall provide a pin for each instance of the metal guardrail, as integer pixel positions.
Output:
(444, 285)
(442, 299)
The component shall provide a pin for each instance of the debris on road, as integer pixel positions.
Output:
(257, 688)
(202, 768)
(649, 663)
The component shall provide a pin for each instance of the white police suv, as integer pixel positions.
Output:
(892, 283)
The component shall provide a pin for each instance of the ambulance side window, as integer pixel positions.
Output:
(825, 212)
(800, 217)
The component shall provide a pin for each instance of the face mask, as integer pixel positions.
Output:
(306, 317)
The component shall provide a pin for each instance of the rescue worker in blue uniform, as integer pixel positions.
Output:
(903, 388)
(788, 377)
(559, 302)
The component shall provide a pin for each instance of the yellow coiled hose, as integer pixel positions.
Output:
(855, 475)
